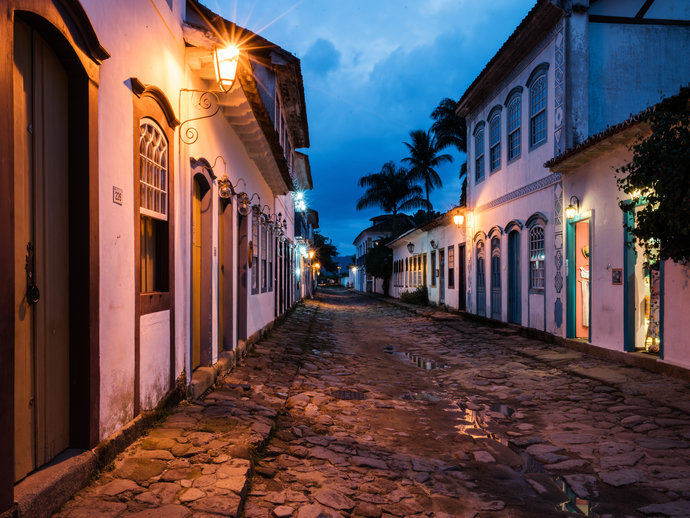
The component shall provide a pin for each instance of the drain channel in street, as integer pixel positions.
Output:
(474, 422)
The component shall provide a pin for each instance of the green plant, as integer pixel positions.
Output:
(420, 296)
(658, 179)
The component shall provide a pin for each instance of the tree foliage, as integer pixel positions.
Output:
(449, 129)
(659, 174)
(424, 158)
(392, 190)
(325, 251)
(379, 263)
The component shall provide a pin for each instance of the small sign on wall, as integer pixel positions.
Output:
(617, 276)
(117, 195)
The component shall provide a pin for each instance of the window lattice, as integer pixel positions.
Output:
(153, 171)
(536, 257)
(514, 128)
(538, 111)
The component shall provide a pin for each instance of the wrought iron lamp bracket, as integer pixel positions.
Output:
(207, 101)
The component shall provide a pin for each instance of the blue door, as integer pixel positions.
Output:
(442, 278)
(481, 280)
(514, 308)
(496, 278)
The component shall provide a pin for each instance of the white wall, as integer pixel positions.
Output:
(124, 29)
(676, 311)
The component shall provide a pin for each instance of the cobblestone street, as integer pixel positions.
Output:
(357, 407)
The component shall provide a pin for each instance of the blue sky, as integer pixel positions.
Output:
(373, 71)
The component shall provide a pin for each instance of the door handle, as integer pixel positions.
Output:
(32, 291)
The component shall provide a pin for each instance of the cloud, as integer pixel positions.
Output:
(321, 58)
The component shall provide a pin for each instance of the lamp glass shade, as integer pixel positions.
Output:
(224, 188)
(458, 219)
(570, 211)
(226, 60)
(410, 247)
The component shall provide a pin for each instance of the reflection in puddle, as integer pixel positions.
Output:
(419, 361)
(475, 423)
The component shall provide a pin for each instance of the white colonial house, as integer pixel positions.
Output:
(433, 256)
(164, 240)
(624, 303)
(570, 69)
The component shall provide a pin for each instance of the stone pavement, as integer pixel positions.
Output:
(354, 407)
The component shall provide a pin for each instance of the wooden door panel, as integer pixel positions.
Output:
(24, 423)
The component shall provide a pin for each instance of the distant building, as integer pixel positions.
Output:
(382, 227)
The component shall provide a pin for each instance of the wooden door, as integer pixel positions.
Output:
(462, 295)
(442, 278)
(481, 280)
(41, 249)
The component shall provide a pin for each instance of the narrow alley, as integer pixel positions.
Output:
(356, 407)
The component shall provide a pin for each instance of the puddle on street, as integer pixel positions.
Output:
(475, 423)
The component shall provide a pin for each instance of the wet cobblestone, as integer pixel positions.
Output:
(503, 426)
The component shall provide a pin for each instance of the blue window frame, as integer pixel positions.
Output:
(537, 111)
(479, 153)
(514, 114)
(495, 142)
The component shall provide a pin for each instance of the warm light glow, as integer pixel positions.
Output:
(458, 219)
(354, 269)
(226, 60)
(317, 266)
(311, 254)
(570, 212)
(636, 194)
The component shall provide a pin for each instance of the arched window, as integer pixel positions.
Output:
(479, 152)
(495, 141)
(537, 110)
(536, 258)
(514, 114)
(153, 206)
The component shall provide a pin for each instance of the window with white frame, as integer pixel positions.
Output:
(264, 257)
(153, 207)
(514, 114)
(537, 110)
(495, 142)
(479, 153)
(270, 251)
(255, 250)
(536, 258)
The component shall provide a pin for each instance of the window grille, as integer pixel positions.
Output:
(536, 257)
(153, 171)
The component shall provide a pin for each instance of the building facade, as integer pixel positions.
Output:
(150, 209)
(570, 69)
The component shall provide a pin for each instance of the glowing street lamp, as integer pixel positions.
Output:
(458, 219)
(226, 60)
(573, 209)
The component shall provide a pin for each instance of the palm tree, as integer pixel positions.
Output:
(392, 190)
(449, 128)
(424, 159)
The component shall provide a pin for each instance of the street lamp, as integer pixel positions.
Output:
(410, 247)
(225, 60)
(458, 219)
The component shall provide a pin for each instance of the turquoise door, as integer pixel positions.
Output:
(481, 281)
(514, 308)
(496, 278)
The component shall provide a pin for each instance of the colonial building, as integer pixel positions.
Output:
(381, 228)
(150, 184)
(625, 303)
(433, 256)
(570, 69)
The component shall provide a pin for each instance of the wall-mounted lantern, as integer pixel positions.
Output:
(225, 60)
(410, 247)
(573, 209)
(433, 244)
(459, 219)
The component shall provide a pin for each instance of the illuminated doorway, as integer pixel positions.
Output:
(579, 278)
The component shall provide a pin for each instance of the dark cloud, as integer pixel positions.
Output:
(321, 58)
